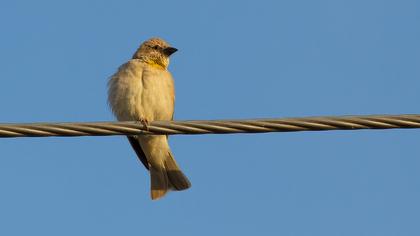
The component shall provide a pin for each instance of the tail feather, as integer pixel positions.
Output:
(178, 181)
(159, 182)
(167, 177)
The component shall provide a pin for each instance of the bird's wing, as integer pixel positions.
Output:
(139, 151)
(122, 85)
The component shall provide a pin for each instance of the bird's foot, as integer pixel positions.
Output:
(145, 122)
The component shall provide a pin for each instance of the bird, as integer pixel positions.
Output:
(142, 90)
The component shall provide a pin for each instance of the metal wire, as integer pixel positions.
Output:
(211, 126)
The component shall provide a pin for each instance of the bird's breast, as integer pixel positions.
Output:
(157, 99)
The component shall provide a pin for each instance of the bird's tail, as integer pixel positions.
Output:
(167, 177)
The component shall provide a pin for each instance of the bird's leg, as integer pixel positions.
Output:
(145, 122)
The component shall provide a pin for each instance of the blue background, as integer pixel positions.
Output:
(236, 59)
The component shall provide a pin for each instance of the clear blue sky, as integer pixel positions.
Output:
(236, 59)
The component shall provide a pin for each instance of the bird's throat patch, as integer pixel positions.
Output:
(155, 64)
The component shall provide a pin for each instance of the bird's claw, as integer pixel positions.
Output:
(145, 123)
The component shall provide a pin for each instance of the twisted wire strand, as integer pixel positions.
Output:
(211, 126)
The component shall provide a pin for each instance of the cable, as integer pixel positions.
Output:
(211, 126)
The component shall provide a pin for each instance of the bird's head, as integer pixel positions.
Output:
(155, 52)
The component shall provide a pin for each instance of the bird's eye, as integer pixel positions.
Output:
(156, 47)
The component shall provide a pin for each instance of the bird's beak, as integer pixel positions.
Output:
(169, 51)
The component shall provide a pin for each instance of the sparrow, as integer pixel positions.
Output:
(142, 90)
